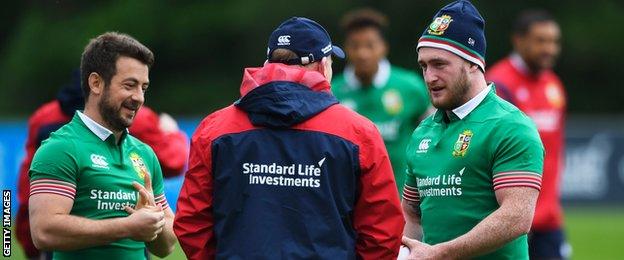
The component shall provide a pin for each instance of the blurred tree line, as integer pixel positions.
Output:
(201, 47)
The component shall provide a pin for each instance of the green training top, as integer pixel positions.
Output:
(81, 161)
(395, 102)
(457, 160)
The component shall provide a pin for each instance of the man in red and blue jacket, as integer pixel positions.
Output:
(286, 172)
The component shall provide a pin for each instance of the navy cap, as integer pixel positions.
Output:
(306, 38)
(459, 28)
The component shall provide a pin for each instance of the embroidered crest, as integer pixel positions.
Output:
(138, 165)
(554, 95)
(440, 24)
(463, 141)
(392, 102)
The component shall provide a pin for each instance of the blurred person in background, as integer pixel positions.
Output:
(526, 79)
(395, 99)
(161, 133)
(286, 172)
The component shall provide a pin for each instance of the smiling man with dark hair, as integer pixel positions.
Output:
(84, 179)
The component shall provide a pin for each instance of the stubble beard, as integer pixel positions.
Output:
(112, 115)
(457, 92)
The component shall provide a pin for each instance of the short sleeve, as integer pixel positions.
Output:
(518, 157)
(158, 183)
(410, 189)
(54, 169)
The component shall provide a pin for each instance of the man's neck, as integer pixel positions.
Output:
(471, 103)
(93, 113)
(477, 86)
(520, 63)
(366, 79)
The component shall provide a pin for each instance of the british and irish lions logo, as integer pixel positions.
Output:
(440, 24)
(138, 165)
(463, 142)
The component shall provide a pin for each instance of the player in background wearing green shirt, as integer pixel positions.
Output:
(393, 98)
(474, 167)
(91, 193)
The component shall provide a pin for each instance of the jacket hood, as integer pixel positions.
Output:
(279, 95)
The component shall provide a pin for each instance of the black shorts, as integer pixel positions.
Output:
(548, 245)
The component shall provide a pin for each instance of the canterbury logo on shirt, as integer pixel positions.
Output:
(99, 161)
(423, 147)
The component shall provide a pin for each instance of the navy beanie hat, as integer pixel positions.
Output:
(458, 28)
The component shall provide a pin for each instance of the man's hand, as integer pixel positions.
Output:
(146, 194)
(147, 219)
(420, 250)
(145, 223)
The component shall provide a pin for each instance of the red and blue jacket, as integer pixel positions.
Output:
(288, 173)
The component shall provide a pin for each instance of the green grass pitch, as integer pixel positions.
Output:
(593, 232)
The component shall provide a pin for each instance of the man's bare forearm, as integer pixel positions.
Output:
(505, 224)
(163, 245)
(67, 232)
(413, 228)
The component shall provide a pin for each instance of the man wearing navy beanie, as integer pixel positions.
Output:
(475, 165)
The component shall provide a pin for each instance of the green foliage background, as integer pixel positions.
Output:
(201, 47)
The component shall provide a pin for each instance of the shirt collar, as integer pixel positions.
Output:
(379, 80)
(465, 109)
(96, 128)
(519, 64)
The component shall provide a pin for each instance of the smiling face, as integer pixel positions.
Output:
(446, 76)
(124, 95)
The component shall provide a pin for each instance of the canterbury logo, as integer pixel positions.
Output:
(99, 161)
(283, 40)
(423, 146)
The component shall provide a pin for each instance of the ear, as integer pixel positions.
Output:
(96, 83)
(473, 67)
(322, 65)
(325, 67)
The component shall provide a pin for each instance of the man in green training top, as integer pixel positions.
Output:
(91, 193)
(474, 167)
(393, 98)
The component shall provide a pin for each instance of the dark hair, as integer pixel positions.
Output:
(101, 54)
(527, 18)
(364, 18)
